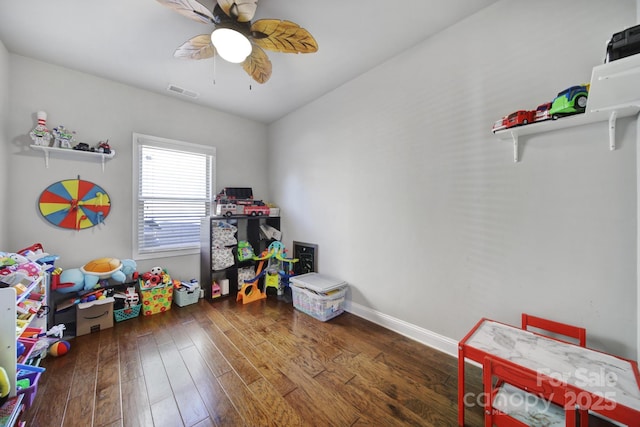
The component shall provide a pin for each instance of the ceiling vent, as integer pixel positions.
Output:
(182, 91)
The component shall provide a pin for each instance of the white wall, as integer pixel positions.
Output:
(4, 110)
(98, 109)
(414, 202)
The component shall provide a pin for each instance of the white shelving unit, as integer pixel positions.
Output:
(614, 93)
(68, 152)
(8, 334)
(9, 328)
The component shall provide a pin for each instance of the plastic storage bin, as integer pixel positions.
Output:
(319, 296)
(28, 343)
(33, 376)
(184, 297)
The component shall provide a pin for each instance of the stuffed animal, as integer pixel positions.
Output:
(88, 276)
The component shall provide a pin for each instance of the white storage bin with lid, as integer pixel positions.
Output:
(318, 296)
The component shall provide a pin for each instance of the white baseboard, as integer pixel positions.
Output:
(424, 336)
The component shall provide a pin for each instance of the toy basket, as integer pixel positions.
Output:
(126, 313)
(28, 343)
(156, 300)
(33, 376)
(184, 297)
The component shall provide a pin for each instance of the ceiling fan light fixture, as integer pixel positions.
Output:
(231, 45)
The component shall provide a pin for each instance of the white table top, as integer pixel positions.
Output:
(587, 369)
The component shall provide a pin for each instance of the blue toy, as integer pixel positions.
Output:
(83, 279)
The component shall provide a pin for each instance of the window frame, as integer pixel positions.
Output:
(140, 140)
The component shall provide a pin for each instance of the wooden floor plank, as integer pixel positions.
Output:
(191, 407)
(234, 357)
(245, 402)
(158, 387)
(136, 411)
(221, 410)
(166, 413)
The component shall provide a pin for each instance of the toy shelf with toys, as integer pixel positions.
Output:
(102, 157)
(79, 293)
(613, 93)
(223, 267)
(23, 304)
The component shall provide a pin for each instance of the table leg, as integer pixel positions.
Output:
(460, 386)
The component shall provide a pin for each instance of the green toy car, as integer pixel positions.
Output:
(572, 100)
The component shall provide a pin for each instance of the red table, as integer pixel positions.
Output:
(601, 382)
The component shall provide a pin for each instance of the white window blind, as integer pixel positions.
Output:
(173, 193)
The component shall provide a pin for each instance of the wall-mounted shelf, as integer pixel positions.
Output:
(611, 114)
(614, 93)
(68, 152)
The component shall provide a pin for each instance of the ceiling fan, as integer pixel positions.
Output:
(236, 39)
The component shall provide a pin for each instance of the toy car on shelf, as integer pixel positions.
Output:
(256, 210)
(517, 118)
(104, 147)
(542, 112)
(82, 146)
(572, 100)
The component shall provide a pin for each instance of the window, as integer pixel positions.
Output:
(173, 192)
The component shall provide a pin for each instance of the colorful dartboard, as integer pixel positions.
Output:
(75, 204)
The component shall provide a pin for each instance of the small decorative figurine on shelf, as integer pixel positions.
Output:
(62, 137)
(104, 147)
(40, 134)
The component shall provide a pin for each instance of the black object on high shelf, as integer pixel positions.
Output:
(248, 229)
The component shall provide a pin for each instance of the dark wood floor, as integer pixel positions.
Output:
(260, 364)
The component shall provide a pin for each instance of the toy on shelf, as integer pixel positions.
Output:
(62, 137)
(216, 291)
(36, 253)
(239, 201)
(16, 269)
(40, 134)
(5, 386)
(104, 147)
(275, 274)
(570, 101)
(245, 251)
(517, 118)
(88, 276)
(542, 112)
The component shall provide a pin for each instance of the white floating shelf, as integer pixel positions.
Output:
(69, 152)
(614, 93)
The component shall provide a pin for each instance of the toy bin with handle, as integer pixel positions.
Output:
(28, 376)
(319, 296)
(182, 296)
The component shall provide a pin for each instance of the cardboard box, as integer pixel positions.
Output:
(94, 316)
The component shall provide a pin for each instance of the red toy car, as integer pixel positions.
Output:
(518, 118)
(542, 112)
(258, 210)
